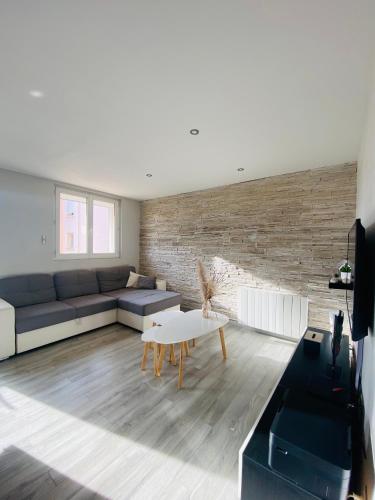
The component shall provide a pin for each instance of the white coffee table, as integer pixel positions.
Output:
(182, 328)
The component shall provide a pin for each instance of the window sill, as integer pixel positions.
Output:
(86, 257)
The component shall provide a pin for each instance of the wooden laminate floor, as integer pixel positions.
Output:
(78, 419)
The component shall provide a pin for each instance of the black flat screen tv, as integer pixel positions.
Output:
(357, 299)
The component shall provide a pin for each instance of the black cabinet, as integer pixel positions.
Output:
(318, 436)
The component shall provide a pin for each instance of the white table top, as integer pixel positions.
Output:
(162, 317)
(183, 327)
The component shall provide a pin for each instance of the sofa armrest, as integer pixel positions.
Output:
(161, 284)
(7, 330)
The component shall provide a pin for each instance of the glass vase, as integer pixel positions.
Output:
(206, 308)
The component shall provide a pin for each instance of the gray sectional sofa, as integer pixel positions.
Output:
(37, 309)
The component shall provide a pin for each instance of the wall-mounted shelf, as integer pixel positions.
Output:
(341, 286)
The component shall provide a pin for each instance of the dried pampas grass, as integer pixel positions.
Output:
(209, 285)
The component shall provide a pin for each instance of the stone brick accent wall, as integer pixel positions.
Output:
(286, 232)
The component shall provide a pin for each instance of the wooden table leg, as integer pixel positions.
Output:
(145, 353)
(181, 366)
(161, 357)
(222, 340)
(194, 342)
(172, 357)
(156, 360)
(187, 349)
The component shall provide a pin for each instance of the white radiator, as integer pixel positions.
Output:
(273, 312)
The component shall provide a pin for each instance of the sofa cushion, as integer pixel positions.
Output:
(40, 315)
(27, 289)
(133, 280)
(113, 278)
(145, 302)
(146, 283)
(91, 304)
(75, 283)
(125, 292)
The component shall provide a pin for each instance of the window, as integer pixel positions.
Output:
(87, 225)
(103, 226)
(73, 224)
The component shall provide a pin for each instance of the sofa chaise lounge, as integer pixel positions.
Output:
(38, 309)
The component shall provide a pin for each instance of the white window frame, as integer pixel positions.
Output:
(90, 197)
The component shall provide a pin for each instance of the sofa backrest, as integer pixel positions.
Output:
(113, 278)
(75, 283)
(27, 289)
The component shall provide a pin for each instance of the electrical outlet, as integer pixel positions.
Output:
(44, 239)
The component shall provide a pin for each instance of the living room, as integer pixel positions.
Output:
(187, 230)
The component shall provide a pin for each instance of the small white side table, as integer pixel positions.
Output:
(181, 329)
(159, 319)
(162, 317)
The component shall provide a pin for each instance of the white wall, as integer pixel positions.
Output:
(366, 211)
(27, 212)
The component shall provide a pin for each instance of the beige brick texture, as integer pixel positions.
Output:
(287, 232)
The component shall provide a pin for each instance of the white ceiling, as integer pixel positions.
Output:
(273, 86)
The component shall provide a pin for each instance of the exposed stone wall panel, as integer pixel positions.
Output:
(286, 232)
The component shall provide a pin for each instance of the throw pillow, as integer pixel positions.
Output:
(133, 279)
(146, 282)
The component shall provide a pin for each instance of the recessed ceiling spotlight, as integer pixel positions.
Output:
(240, 169)
(194, 131)
(37, 94)
(148, 175)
